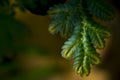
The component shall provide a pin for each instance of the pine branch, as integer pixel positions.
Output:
(97, 33)
(71, 46)
(60, 8)
(87, 35)
(80, 47)
(101, 9)
(63, 20)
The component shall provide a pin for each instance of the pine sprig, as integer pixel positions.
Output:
(71, 46)
(85, 54)
(61, 17)
(80, 47)
(86, 35)
(101, 9)
(63, 20)
(97, 33)
(60, 8)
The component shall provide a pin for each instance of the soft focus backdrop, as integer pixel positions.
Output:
(43, 61)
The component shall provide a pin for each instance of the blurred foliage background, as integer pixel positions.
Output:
(29, 52)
